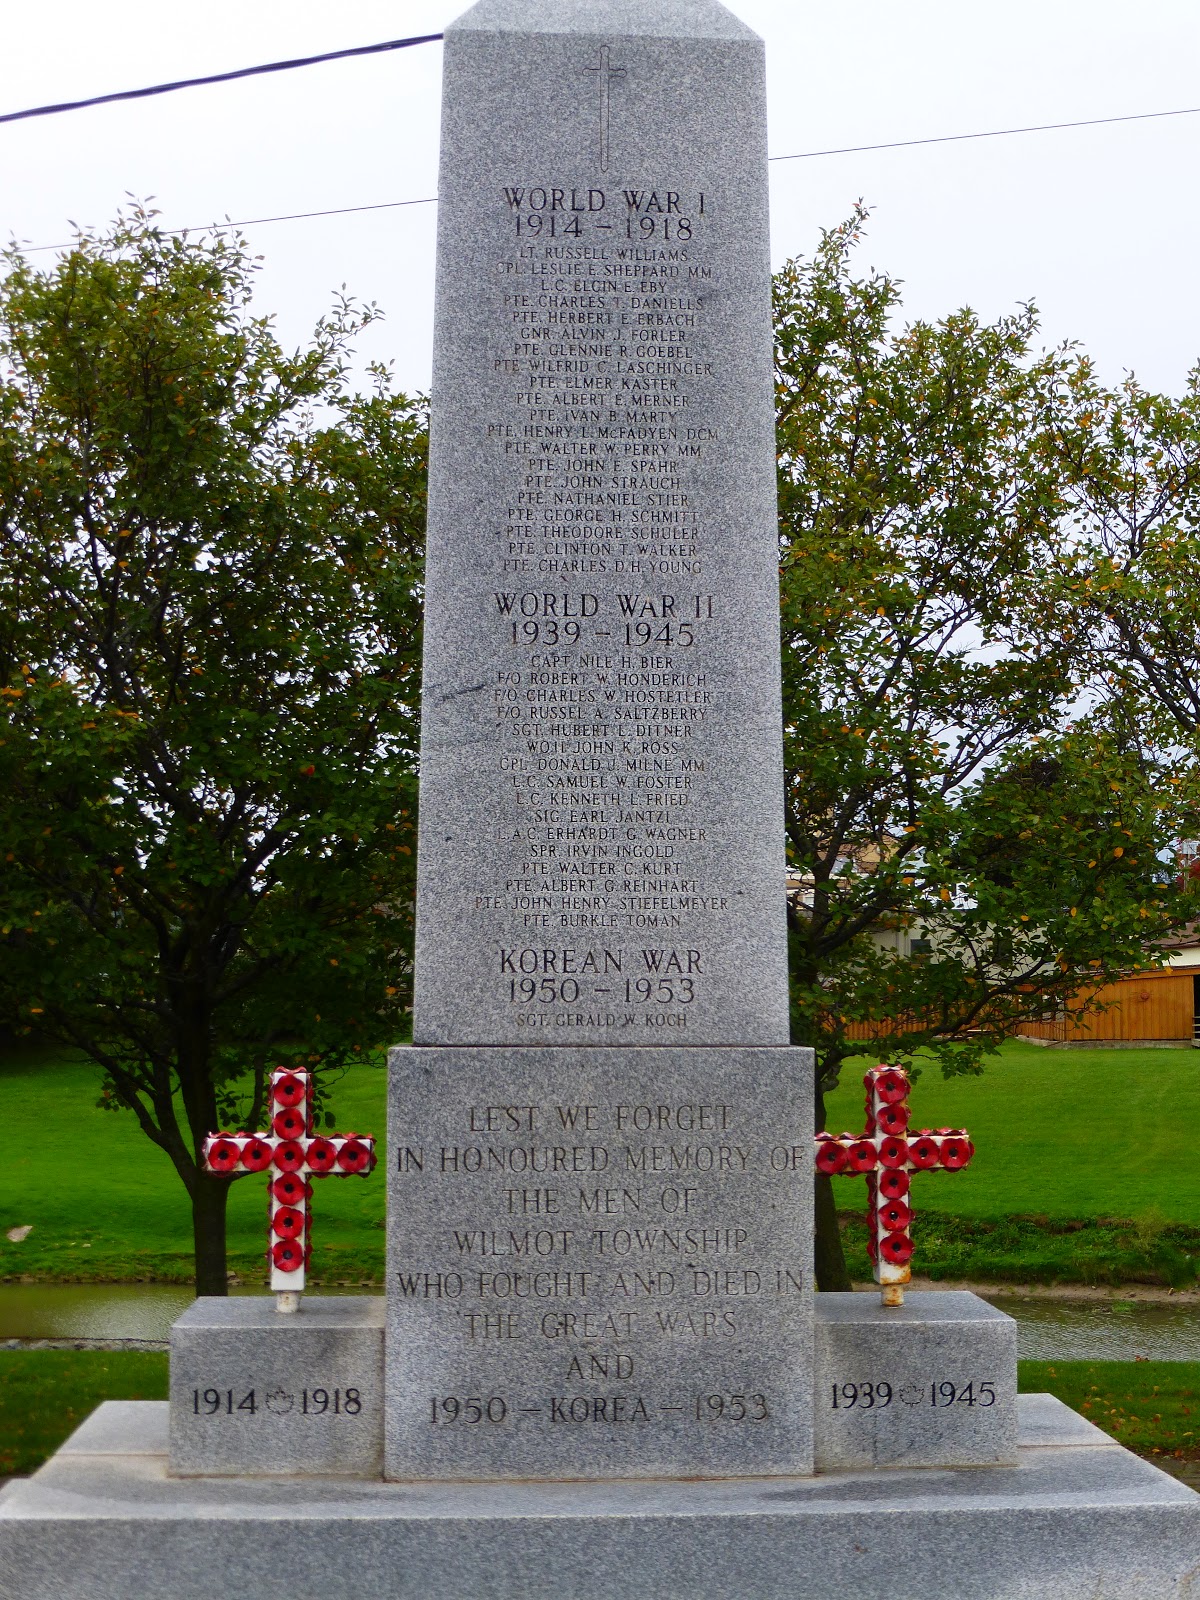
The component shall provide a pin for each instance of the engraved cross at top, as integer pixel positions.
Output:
(606, 74)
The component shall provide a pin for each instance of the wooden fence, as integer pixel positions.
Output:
(1150, 1006)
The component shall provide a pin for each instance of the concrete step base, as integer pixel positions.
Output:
(1078, 1517)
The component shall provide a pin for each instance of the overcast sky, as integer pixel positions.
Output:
(1098, 225)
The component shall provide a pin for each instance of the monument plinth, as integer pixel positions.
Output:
(254, 1394)
(599, 1264)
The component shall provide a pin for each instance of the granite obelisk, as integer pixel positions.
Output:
(601, 748)
(599, 1195)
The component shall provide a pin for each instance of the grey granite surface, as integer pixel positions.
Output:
(693, 19)
(1044, 1421)
(140, 1427)
(599, 1263)
(1070, 1522)
(931, 1383)
(257, 1392)
(119, 1428)
(601, 854)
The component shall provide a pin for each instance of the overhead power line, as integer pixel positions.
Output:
(251, 222)
(429, 200)
(992, 133)
(431, 38)
(217, 77)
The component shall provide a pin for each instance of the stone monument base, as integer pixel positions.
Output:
(609, 1253)
(255, 1392)
(930, 1383)
(1077, 1517)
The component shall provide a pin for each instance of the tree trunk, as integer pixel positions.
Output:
(829, 1259)
(209, 1199)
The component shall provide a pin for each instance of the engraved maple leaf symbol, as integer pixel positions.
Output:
(280, 1402)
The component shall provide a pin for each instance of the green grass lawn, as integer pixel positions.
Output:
(1151, 1406)
(1060, 1135)
(1025, 1249)
(46, 1394)
(106, 1204)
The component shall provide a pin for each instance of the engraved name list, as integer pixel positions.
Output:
(616, 600)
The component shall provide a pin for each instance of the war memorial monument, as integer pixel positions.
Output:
(600, 1369)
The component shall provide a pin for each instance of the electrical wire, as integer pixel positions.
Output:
(250, 222)
(992, 133)
(217, 77)
(388, 205)
(431, 38)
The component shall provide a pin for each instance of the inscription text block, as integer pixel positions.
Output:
(598, 1263)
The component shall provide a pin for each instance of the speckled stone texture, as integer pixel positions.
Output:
(601, 849)
(256, 1392)
(1074, 1521)
(931, 1383)
(599, 1263)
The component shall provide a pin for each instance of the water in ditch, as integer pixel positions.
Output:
(1048, 1330)
(142, 1311)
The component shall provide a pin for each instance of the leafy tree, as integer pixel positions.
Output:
(209, 629)
(210, 591)
(945, 781)
(1128, 582)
